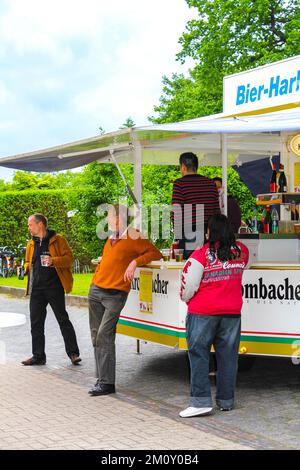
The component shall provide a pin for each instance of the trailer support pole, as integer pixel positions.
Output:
(224, 169)
(138, 193)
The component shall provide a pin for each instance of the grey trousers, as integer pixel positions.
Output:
(105, 306)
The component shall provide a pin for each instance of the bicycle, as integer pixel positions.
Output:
(8, 267)
(20, 261)
(12, 261)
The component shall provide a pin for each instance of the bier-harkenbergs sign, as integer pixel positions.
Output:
(267, 88)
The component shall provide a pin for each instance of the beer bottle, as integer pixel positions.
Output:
(268, 221)
(275, 221)
(273, 180)
(254, 221)
(282, 183)
(293, 210)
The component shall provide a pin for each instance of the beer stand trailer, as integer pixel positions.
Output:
(271, 282)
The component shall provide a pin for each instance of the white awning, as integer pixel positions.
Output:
(248, 138)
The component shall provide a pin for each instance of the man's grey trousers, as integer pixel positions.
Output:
(105, 306)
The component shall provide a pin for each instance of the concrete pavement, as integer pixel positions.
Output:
(48, 407)
(42, 411)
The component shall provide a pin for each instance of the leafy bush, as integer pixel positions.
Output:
(17, 206)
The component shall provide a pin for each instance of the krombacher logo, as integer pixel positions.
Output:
(260, 290)
(159, 286)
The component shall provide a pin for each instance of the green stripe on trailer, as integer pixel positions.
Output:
(165, 331)
(269, 339)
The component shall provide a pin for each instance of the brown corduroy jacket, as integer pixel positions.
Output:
(62, 259)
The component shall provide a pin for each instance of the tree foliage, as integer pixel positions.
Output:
(17, 206)
(228, 36)
(128, 123)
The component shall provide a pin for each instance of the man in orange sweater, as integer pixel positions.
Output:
(123, 252)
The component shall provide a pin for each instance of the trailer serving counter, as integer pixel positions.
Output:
(271, 292)
(164, 321)
(239, 136)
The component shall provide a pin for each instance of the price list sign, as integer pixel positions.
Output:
(146, 294)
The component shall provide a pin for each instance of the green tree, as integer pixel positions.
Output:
(128, 123)
(23, 180)
(225, 37)
(46, 181)
(3, 186)
(67, 179)
(228, 36)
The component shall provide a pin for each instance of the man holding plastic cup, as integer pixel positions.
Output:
(48, 264)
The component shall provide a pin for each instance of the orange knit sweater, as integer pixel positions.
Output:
(115, 260)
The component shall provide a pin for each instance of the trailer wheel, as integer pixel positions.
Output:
(246, 363)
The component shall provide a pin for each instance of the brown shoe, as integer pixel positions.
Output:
(75, 359)
(33, 361)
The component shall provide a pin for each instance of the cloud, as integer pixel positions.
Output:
(69, 66)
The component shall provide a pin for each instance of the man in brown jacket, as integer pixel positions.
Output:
(48, 263)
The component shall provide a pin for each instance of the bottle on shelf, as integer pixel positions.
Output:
(174, 246)
(268, 221)
(282, 182)
(254, 221)
(293, 211)
(273, 180)
(275, 221)
(261, 221)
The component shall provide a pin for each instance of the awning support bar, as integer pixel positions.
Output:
(123, 177)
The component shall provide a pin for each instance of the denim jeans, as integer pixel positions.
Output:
(223, 333)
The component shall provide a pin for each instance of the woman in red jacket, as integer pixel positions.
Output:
(211, 286)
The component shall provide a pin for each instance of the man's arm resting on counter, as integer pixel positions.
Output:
(147, 252)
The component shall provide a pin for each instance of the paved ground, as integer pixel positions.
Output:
(48, 407)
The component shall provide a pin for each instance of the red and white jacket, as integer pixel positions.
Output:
(213, 287)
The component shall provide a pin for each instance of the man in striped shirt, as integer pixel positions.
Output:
(195, 199)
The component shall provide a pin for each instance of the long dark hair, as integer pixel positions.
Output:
(221, 238)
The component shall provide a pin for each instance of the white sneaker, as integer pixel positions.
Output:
(192, 411)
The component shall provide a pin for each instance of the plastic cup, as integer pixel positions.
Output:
(290, 226)
(178, 255)
(297, 229)
(166, 254)
(283, 226)
(45, 261)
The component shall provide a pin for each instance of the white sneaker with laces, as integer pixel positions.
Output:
(192, 411)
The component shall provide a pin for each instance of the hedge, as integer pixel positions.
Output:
(17, 206)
